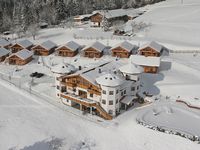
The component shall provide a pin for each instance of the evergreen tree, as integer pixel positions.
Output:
(106, 24)
(61, 12)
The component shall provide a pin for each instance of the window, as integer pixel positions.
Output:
(103, 101)
(111, 102)
(132, 88)
(117, 101)
(57, 87)
(57, 78)
(91, 95)
(117, 91)
(138, 87)
(63, 89)
(124, 91)
(138, 78)
(104, 92)
(110, 112)
(111, 92)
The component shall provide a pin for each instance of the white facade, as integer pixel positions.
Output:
(118, 86)
(58, 71)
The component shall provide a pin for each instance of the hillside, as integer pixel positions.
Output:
(173, 24)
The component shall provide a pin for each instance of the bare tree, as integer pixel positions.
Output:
(33, 29)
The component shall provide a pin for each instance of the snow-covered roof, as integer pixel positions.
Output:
(63, 68)
(145, 61)
(4, 42)
(118, 13)
(126, 45)
(23, 54)
(154, 45)
(3, 52)
(25, 43)
(132, 12)
(97, 45)
(48, 45)
(71, 45)
(83, 16)
(90, 74)
(111, 13)
(131, 69)
(109, 80)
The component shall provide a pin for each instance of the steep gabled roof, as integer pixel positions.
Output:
(145, 61)
(98, 46)
(73, 46)
(25, 43)
(4, 42)
(126, 45)
(111, 13)
(23, 54)
(48, 45)
(4, 52)
(153, 45)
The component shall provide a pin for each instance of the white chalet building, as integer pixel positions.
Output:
(103, 90)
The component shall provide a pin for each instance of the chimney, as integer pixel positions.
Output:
(79, 67)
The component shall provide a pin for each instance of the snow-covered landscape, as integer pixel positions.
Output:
(33, 117)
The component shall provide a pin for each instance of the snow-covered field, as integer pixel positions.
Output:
(30, 123)
(169, 116)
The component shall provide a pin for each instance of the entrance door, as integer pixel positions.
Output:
(12, 61)
(91, 55)
(82, 94)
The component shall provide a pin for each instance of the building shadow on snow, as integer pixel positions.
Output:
(49, 144)
(165, 65)
(148, 83)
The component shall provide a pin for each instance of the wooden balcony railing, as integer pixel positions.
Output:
(88, 103)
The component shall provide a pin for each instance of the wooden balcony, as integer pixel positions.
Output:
(94, 92)
(71, 84)
(87, 103)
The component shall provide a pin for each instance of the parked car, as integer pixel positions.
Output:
(6, 33)
(37, 75)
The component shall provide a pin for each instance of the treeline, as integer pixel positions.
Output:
(21, 14)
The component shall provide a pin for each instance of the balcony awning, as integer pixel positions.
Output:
(128, 99)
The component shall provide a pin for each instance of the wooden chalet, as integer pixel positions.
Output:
(96, 19)
(3, 54)
(82, 18)
(44, 49)
(83, 92)
(18, 46)
(21, 57)
(123, 50)
(113, 16)
(69, 50)
(5, 44)
(151, 49)
(150, 64)
(94, 51)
